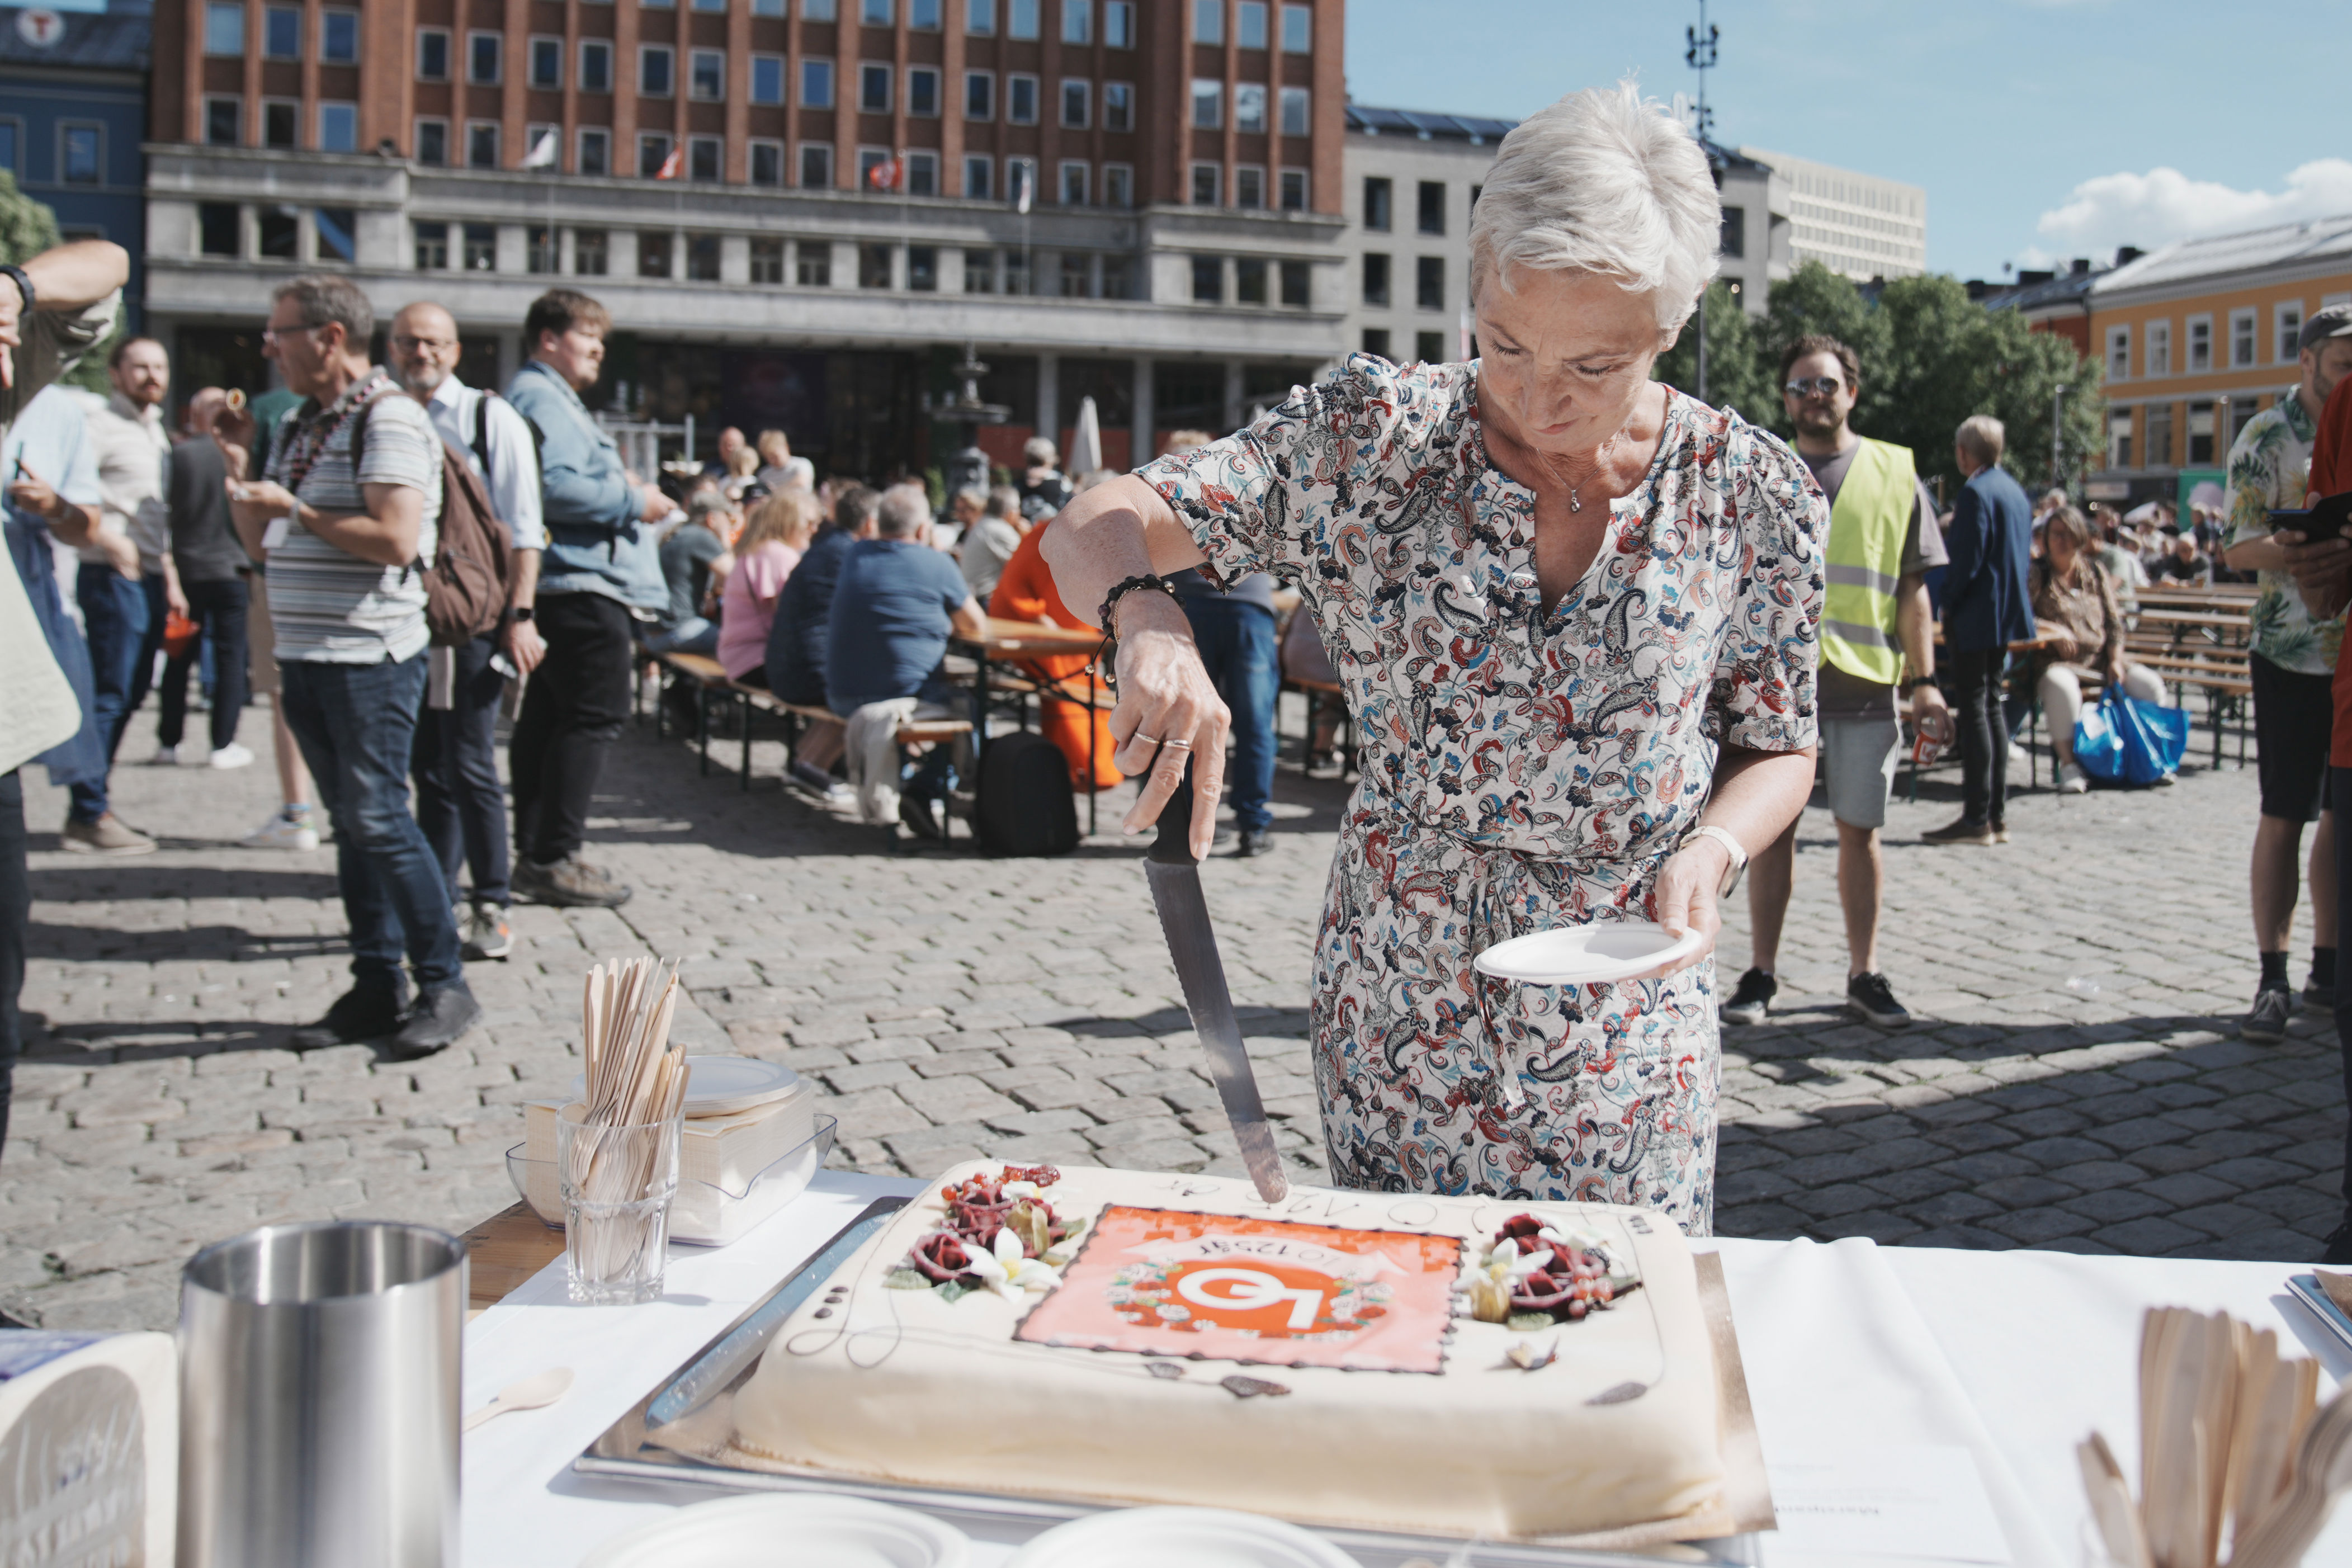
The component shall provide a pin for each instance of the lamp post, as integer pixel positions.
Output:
(1700, 57)
(2057, 435)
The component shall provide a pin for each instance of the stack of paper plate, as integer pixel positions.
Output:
(1598, 954)
(787, 1530)
(1180, 1538)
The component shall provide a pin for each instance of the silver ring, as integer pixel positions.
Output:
(1177, 745)
(1147, 739)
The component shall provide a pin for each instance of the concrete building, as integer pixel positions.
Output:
(798, 212)
(1859, 225)
(73, 113)
(1758, 237)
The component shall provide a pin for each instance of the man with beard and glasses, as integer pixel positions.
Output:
(1883, 542)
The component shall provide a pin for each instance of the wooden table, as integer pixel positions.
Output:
(1008, 641)
(503, 1252)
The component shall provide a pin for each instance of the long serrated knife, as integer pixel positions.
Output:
(1184, 917)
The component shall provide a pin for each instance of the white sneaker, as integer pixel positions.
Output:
(166, 757)
(284, 832)
(2017, 757)
(2072, 780)
(232, 756)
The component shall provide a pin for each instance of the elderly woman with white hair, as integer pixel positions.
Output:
(1575, 613)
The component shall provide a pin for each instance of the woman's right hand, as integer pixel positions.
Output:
(1168, 713)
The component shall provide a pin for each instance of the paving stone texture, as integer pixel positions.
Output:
(2073, 1082)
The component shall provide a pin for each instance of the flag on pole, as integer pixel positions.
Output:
(672, 165)
(886, 173)
(543, 152)
(1023, 177)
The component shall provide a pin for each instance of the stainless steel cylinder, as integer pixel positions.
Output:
(319, 1397)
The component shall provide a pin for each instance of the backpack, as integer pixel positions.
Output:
(465, 586)
(1026, 804)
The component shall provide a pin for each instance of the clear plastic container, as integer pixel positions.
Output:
(702, 1214)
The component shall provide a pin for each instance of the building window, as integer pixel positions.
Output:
(2119, 438)
(333, 229)
(1429, 283)
(280, 235)
(1249, 106)
(1429, 347)
(767, 85)
(217, 229)
(1249, 24)
(2289, 318)
(819, 11)
(1294, 190)
(922, 173)
(481, 144)
(706, 77)
(980, 17)
(1208, 280)
(1077, 275)
(1118, 24)
(1119, 278)
(1379, 198)
(702, 257)
(1297, 30)
(874, 267)
(1206, 180)
(978, 178)
(540, 249)
(652, 153)
(654, 70)
(224, 27)
(1074, 183)
(431, 248)
(816, 166)
(1295, 283)
(281, 34)
(979, 95)
(653, 253)
(1118, 186)
(595, 66)
(1296, 107)
(816, 84)
(711, 5)
(1021, 99)
(339, 127)
(1208, 21)
(481, 247)
(767, 259)
(923, 16)
(1208, 103)
(980, 271)
(875, 13)
(223, 121)
(875, 172)
(1732, 238)
(767, 163)
(280, 122)
(432, 142)
(703, 161)
(547, 64)
(1376, 277)
(2200, 428)
(2118, 353)
(2201, 343)
(2242, 339)
(1249, 281)
(1249, 187)
(592, 250)
(339, 37)
(1119, 106)
(922, 91)
(1432, 206)
(1021, 18)
(1376, 341)
(2242, 414)
(595, 150)
(1077, 105)
(2159, 348)
(483, 52)
(873, 88)
(813, 263)
(1078, 22)
(2159, 435)
(923, 268)
(1016, 272)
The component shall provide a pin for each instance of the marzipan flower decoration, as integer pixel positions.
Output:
(1535, 1272)
(1004, 1271)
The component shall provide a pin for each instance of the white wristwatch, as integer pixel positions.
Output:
(1731, 847)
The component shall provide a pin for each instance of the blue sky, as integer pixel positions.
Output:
(2040, 128)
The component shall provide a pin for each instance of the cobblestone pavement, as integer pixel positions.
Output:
(2074, 1081)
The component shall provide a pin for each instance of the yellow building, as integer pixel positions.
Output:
(2198, 336)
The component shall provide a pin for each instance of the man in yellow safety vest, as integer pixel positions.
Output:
(1876, 622)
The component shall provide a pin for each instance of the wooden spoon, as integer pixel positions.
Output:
(541, 1388)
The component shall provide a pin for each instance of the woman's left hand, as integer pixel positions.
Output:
(1686, 900)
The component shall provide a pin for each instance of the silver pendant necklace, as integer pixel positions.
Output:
(1575, 498)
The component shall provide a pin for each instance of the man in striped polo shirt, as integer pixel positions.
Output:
(342, 543)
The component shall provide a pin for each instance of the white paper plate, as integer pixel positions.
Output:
(1587, 954)
(720, 1086)
(1180, 1538)
(787, 1531)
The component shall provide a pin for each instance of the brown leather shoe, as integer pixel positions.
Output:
(1960, 831)
(108, 835)
(570, 883)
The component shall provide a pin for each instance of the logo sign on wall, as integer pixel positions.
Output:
(40, 28)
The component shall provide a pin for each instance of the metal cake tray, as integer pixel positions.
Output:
(624, 1452)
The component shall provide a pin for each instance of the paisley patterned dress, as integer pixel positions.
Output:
(1520, 771)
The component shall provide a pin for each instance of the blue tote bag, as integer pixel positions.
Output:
(2125, 741)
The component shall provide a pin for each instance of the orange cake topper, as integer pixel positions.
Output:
(1272, 1292)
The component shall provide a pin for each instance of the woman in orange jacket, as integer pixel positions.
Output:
(1026, 593)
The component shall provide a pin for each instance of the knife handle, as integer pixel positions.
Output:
(1174, 845)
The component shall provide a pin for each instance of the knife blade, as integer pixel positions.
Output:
(1175, 879)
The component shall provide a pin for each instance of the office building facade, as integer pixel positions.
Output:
(1859, 225)
(73, 113)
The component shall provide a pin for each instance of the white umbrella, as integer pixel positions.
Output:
(1085, 448)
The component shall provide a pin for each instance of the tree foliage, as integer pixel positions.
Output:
(1930, 358)
(1732, 377)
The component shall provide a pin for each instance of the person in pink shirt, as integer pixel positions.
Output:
(765, 554)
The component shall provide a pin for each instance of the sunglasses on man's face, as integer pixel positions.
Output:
(1815, 387)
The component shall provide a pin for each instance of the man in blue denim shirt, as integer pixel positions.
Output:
(601, 567)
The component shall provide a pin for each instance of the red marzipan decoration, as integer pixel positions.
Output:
(1571, 1282)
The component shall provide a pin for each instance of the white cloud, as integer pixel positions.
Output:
(2164, 204)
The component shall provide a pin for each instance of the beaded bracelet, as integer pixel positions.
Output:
(1107, 656)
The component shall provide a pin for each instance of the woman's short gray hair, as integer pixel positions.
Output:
(1602, 181)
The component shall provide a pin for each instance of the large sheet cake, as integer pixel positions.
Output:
(1470, 1366)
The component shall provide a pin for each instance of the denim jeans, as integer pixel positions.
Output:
(356, 724)
(1975, 680)
(460, 804)
(693, 635)
(15, 913)
(114, 619)
(1238, 645)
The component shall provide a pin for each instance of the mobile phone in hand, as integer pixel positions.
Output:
(2331, 517)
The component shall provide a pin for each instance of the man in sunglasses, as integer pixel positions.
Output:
(1875, 641)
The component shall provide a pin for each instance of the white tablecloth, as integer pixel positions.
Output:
(1849, 1347)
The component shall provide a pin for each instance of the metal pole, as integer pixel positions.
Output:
(2057, 435)
(1702, 347)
